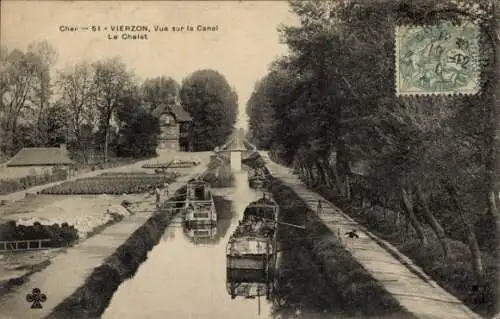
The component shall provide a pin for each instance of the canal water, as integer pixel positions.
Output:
(185, 274)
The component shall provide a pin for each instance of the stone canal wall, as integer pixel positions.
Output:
(93, 297)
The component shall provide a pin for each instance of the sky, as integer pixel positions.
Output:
(245, 43)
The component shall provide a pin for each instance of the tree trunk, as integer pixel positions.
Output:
(303, 173)
(343, 171)
(477, 264)
(310, 180)
(321, 173)
(412, 218)
(331, 177)
(477, 260)
(434, 223)
(106, 130)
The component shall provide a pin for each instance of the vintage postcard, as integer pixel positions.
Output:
(249, 159)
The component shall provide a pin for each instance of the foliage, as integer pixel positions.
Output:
(330, 104)
(213, 105)
(54, 123)
(156, 91)
(59, 235)
(138, 133)
(25, 90)
(117, 185)
(77, 90)
(13, 185)
(100, 107)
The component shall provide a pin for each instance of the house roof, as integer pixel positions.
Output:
(32, 156)
(176, 109)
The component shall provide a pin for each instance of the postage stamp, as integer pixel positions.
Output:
(438, 59)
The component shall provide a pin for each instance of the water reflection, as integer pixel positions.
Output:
(185, 279)
(248, 284)
(200, 233)
(212, 233)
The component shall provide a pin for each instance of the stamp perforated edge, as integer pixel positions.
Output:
(473, 91)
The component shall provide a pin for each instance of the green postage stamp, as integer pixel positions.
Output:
(437, 59)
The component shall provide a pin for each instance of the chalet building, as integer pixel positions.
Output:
(175, 124)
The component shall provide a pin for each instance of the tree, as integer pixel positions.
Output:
(18, 79)
(213, 105)
(329, 97)
(25, 92)
(77, 90)
(138, 132)
(44, 57)
(111, 82)
(159, 90)
(54, 125)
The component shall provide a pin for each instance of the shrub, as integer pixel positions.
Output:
(59, 236)
(17, 184)
(110, 184)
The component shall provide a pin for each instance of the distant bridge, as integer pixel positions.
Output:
(236, 145)
(236, 151)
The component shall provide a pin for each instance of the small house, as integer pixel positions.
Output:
(175, 123)
(38, 159)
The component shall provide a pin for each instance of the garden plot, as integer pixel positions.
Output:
(84, 213)
(115, 184)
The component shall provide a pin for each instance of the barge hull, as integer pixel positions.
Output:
(247, 262)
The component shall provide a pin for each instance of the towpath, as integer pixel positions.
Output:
(69, 270)
(414, 290)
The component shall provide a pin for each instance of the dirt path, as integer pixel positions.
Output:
(414, 290)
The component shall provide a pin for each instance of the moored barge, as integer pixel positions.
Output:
(199, 205)
(252, 246)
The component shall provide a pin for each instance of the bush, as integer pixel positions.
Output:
(111, 184)
(14, 185)
(332, 273)
(60, 236)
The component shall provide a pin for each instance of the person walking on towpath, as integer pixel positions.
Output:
(165, 189)
(157, 193)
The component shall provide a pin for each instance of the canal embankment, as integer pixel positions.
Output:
(92, 298)
(422, 298)
(317, 273)
(70, 270)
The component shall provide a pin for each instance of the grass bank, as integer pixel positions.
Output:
(317, 273)
(93, 297)
(8, 285)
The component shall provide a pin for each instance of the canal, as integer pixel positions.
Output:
(184, 275)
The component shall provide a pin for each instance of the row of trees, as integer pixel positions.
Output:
(331, 102)
(102, 105)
